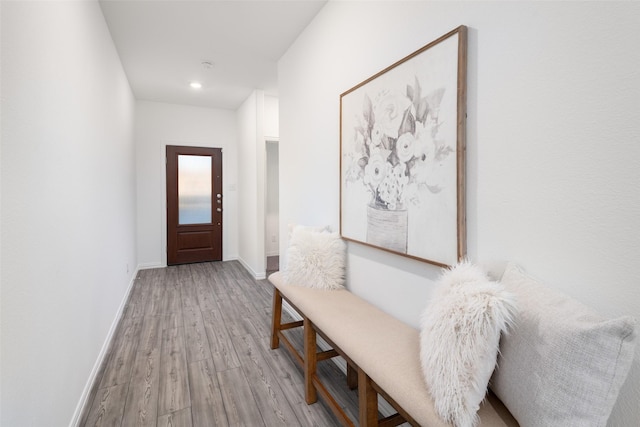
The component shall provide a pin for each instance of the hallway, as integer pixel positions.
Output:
(192, 349)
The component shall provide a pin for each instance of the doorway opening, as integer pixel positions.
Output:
(272, 210)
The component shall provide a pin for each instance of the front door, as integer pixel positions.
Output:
(194, 204)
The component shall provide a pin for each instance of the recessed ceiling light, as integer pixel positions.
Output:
(196, 85)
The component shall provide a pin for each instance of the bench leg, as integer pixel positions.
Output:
(352, 377)
(276, 318)
(310, 361)
(367, 401)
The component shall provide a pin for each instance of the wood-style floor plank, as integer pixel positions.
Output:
(207, 407)
(192, 350)
(136, 303)
(236, 317)
(204, 291)
(151, 334)
(174, 386)
(155, 294)
(197, 343)
(108, 407)
(222, 350)
(239, 404)
(181, 418)
(118, 370)
(272, 403)
(186, 286)
(142, 399)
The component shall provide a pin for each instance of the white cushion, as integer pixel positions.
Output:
(315, 259)
(459, 339)
(563, 364)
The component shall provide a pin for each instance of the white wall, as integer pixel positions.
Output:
(68, 211)
(251, 185)
(271, 118)
(552, 148)
(159, 125)
(257, 123)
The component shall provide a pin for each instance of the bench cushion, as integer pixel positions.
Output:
(384, 347)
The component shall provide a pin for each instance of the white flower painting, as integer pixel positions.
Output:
(402, 150)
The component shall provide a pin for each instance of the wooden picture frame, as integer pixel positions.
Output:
(402, 155)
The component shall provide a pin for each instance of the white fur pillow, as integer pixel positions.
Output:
(315, 259)
(459, 340)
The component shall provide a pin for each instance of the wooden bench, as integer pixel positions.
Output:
(382, 355)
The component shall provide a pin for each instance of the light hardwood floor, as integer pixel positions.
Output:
(192, 349)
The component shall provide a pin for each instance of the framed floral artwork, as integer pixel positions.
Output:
(402, 155)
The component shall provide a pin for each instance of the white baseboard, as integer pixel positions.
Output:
(75, 420)
(257, 276)
(148, 265)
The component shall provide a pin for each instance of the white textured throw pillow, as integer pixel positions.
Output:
(315, 259)
(459, 340)
(563, 364)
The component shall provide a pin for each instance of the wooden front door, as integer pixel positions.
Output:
(194, 204)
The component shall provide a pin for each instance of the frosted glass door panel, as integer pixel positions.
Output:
(194, 189)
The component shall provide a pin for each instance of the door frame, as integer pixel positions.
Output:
(209, 233)
(163, 194)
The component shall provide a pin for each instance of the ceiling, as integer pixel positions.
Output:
(162, 45)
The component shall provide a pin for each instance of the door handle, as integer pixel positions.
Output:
(219, 209)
